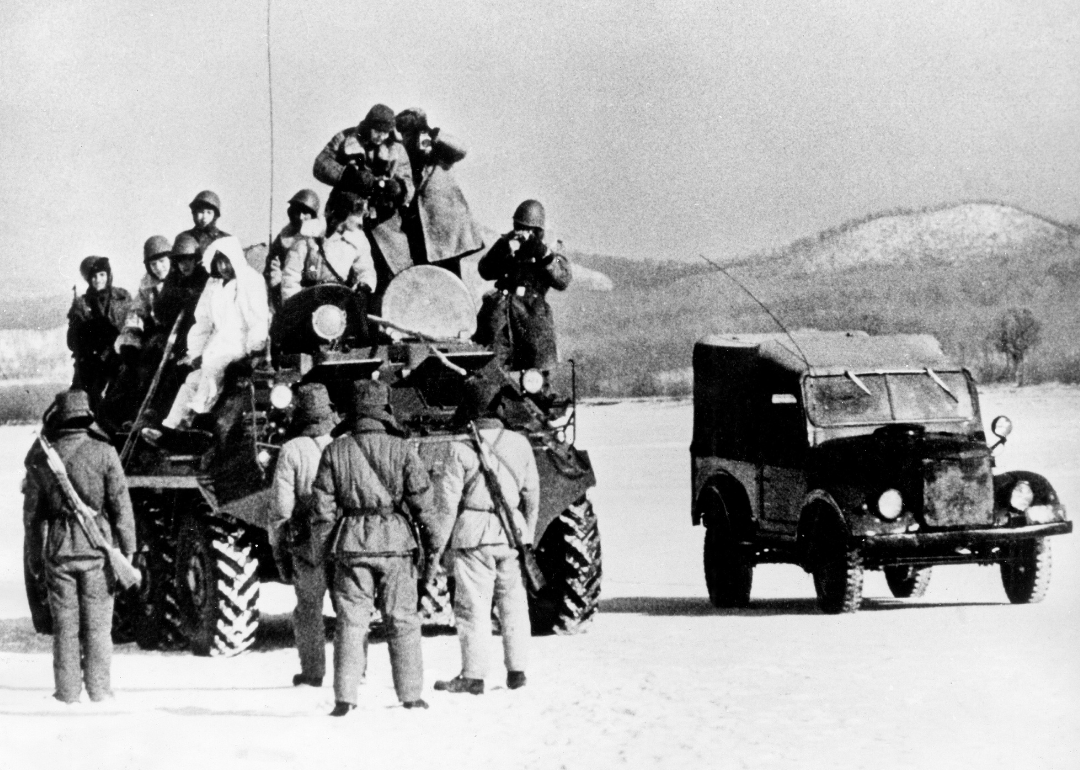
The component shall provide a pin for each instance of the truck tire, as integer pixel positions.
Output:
(1026, 573)
(37, 595)
(729, 569)
(838, 570)
(907, 582)
(158, 626)
(217, 584)
(569, 556)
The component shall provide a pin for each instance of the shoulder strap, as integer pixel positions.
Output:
(374, 470)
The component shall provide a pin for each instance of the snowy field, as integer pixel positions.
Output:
(958, 679)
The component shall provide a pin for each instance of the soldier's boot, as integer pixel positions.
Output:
(341, 708)
(515, 679)
(310, 681)
(419, 703)
(461, 684)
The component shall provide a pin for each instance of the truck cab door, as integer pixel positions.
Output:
(783, 452)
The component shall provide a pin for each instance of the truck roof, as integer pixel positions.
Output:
(818, 352)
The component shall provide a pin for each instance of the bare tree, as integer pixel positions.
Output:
(1015, 333)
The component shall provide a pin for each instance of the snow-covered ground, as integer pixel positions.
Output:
(957, 679)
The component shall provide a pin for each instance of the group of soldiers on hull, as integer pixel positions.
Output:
(353, 505)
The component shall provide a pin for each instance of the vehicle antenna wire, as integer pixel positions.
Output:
(763, 307)
(270, 90)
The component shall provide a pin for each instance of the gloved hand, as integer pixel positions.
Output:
(357, 180)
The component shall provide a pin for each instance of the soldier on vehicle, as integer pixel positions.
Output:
(94, 322)
(440, 227)
(304, 222)
(372, 494)
(232, 320)
(142, 339)
(515, 319)
(183, 287)
(80, 589)
(373, 182)
(205, 212)
(342, 257)
(298, 552)
(483, 561)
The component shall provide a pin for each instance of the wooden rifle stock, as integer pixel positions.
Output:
(534, 577)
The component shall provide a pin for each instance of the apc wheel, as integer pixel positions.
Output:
(569, 556)
(907, 582)
(37, 594)
(729, 570)
(838, 570)
(1026, 574)
(158, 625)
(217, 585)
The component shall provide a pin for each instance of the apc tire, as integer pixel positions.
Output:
(838, 570)
(217, 585)
(1026, 573)
(37, 594)
(569, 556)
(729, 570)
(158, 625)
(907, 582)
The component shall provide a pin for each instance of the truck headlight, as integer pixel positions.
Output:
(281, 396)
(1021, 497)
(329, 321)
(890, 504)
(1044, 514)
(532, 381)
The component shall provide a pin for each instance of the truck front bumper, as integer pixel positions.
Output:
(967, 546)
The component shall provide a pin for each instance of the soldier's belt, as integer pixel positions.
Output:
(352, 512)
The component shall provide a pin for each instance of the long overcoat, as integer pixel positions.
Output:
(439, 208)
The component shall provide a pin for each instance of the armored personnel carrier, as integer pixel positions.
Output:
(201, 510)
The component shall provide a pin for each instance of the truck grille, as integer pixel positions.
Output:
(958, 491)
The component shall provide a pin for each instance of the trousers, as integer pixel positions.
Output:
(357, 583)
(310, 585)
(81, 601)
(200, 391)
(483, 575)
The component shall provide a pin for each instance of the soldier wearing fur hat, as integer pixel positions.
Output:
(515, 319)
(205, 213)
(94, 322)
(373, 182)
(484, 563)
(80, 590)
(373, 501)
(298, 553)
(440, 226)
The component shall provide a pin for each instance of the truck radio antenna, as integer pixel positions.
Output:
(763, 307)
(270, 91)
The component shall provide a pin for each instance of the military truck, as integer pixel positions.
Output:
(201, 510)
(843, 452)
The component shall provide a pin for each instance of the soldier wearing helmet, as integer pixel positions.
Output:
(205, 212)
(304, 222)
(373, 183)
(515, 319)
(438, 222)
(94, 322)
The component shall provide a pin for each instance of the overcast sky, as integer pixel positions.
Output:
(649, 129)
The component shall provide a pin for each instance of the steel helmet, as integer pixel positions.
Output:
(156, 247)
(186, 246)
(308, 199)
(529, 214)
(206, 199)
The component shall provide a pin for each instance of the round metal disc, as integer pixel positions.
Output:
(432, 301)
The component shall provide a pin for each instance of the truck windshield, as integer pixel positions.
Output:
(883, 398)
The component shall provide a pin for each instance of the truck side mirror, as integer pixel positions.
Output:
(1000, 427)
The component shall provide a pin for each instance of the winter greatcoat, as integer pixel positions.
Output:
(485, 565)
(446, 225)
(232, 321)
(372, 489)
(515, 319)
(80, 594)
(344, 257)
(384, 223)
(94, 322)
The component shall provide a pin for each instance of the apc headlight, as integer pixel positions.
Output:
(328, 321)
(263, 458)
(532, 381)
(1021, 497)
(281, 396)
(890, 504)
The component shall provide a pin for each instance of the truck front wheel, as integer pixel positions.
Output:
(837, 568)
(1026, 572)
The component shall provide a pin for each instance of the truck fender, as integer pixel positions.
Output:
(736, 502)
(1004, 483)
(816, 504)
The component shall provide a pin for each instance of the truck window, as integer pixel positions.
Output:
(840, 400)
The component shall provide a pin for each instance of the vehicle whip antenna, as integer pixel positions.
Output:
(270, 91)
(764, 307)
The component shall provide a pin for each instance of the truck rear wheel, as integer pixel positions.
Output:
(569, 556)
(217, 584)
(729, 570)
(907, 582)
(1026, 573)
(838, 570)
